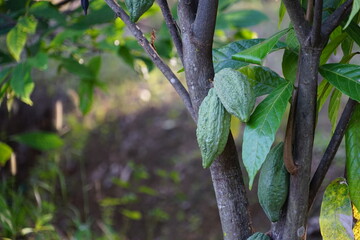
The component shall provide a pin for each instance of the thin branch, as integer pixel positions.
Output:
(297, 16)
(175, 82)
(331, 150)
(316, 27)
(336, 17)
(171, 24)
(206, 14)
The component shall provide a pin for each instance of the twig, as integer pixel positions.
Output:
(317, 21)
(297, 16)
(331, 150)
(171, 24)
(336, 17)
(175, 82)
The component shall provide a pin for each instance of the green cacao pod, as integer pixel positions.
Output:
(235, 92)
(259, 236)
(137, 8)
(273, 183)
(213, 128)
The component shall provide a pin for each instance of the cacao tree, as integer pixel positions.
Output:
(226, 81)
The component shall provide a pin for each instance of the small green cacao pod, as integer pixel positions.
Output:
(137, 8)
(259, 236)
(213, 128)
(273, 183)
(235, 92)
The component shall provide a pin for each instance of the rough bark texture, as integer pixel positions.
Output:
(197, 21)
(292, 225)
(230, 194)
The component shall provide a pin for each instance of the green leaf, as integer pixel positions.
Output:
(4, 73)
(125, 54)
(86, 93)
(345, 77)
(331, 47)
(5, 153)
(352, 143)
(291, 56)
(336, 212)
(354, 32)
(39, 61)
(62, 36)
(73, 66)
(282, 11)
(22, 83)
(17, 36)
(224, 4)
(240, 19)
(94, 65)
(222, 57)
(259, 133)
(133, 215)
(257, 53)
(333, 110)
(47, 11)
(324, 90)
(354, 10)
(15, 41)
(263, 79)
(39, 140)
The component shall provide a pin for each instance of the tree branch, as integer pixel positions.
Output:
(336, 17)
(171, 24)
(317, 21)
(297, 16)
(206, 14)
(331, 150)
(175, 82)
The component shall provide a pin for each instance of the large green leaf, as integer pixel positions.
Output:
(345, 77)
(333, 110)
(5, 153)
(257, 53)
(336, 212)
(39, 140)
(263, 79)
(354, 10)
(21, 82)
(259, 133)
(240, 19)
(222, 57)
(39, 61)
(17, 36)
(352, 143)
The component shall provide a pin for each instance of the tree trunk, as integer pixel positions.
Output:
(225, 171)
(293, 223)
